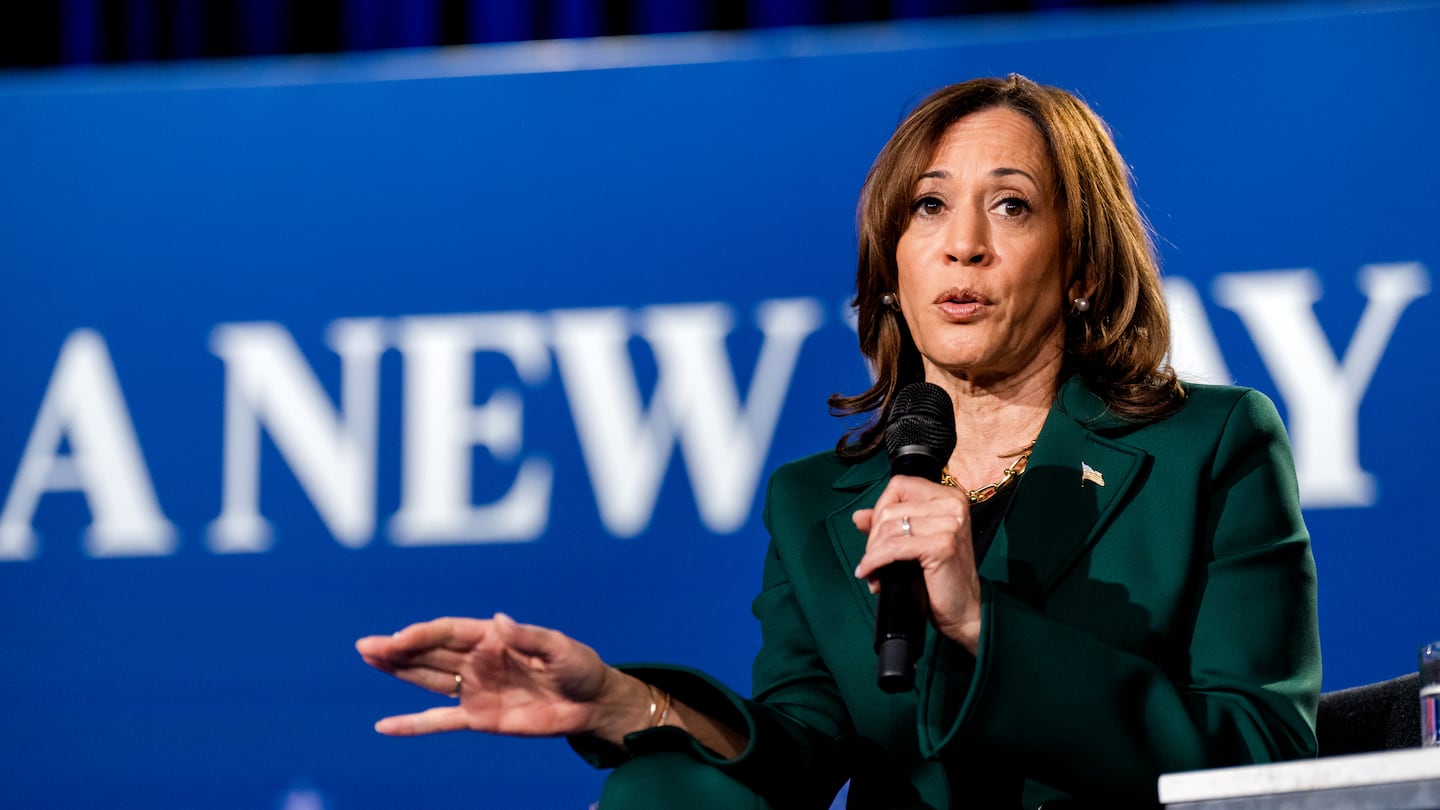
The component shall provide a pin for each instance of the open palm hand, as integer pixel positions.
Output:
(512, 679)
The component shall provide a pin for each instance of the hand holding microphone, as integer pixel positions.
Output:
(919, 439)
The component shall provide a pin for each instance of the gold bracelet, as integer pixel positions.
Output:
(650, 723)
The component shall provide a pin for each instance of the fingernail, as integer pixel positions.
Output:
(857, 572)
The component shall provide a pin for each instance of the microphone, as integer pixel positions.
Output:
(919, 439)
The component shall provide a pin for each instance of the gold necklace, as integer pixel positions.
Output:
(988, 491)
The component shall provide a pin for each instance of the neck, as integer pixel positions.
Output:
(996, 420)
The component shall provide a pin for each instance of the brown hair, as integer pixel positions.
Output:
(1118, 346)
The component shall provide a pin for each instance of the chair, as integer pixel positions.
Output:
(1374, 717)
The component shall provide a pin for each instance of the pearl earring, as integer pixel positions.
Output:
(1082, 304)
(888, 299)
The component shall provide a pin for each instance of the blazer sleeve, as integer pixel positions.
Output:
(1110, 722)
(797, 725)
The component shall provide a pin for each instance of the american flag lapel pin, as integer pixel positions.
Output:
(1088, 473)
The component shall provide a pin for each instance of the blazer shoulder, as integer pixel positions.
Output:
(1210, 417)
(1230, 404)
(822, 468)
(1215, 423)
(821, 480)
(1208, 395)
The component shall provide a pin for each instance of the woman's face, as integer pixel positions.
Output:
(980, 283)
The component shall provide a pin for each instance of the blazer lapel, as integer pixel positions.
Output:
(859, 487)
(1071, 486)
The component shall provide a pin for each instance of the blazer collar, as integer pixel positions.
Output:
(1073, 483)
(1059, 511)
(861, 475)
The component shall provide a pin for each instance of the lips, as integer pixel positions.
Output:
(958, 296)
(962, 305)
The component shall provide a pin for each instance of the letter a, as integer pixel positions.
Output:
(84, 405)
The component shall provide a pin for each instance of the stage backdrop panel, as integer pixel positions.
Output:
(300, 350)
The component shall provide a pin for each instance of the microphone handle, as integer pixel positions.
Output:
(900, 617)
(899, 625)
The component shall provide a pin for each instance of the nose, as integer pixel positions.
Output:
(968, 239)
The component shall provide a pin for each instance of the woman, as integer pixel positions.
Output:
(1119, 580)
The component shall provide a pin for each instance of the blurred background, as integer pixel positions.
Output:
(78, 32)
(321, 318)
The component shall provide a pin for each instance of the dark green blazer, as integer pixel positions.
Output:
(1163, 621)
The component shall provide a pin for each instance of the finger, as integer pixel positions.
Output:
(894, 523)
(443, 660)
(919, 527)
(878, 558)
(372, 645)
(527, 640)
(938, 516)
(931, 524)
(945, 554)
(885, 547)
(449, 633)
(889, 543)
(376, 650)
(863, 519)
(439, 681)
(380, 652)
(430, 721)
(909, 489)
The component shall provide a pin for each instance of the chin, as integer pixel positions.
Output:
(968, 370)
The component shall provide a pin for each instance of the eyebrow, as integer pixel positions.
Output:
(1004, 171)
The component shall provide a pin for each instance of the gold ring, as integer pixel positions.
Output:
(459, 679)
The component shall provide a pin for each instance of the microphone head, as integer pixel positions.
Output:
(920, 433)
(922, 421)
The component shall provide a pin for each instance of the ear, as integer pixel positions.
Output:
(1080, 287)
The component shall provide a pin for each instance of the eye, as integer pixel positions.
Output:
(1012, 207)
(927, 206)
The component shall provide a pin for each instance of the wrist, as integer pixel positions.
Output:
(968, 636)
(626, 705)
(965, 631)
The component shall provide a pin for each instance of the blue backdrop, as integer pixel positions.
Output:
(300, 350)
